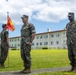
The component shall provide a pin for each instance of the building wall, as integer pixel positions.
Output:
(55, 39)
(15, 42)
(50, 40)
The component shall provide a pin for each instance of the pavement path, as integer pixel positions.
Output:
(37, 71)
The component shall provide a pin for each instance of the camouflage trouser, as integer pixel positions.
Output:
(72, 54)
(0, 50)
(25, 55)
(4, 53)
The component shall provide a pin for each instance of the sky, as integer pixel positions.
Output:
(42, 13)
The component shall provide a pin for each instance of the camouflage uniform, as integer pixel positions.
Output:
(26, 32)
(71, 41)
(4, 46)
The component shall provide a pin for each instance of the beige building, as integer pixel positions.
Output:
(53, 39)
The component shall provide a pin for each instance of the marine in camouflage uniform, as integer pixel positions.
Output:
(27, 36)
(4, 45)
(71, 40)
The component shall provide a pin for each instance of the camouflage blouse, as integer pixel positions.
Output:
(3, 36)
(26, 32)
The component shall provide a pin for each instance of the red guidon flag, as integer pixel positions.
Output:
(10, 24)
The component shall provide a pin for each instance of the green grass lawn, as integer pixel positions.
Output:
(56, 73)
(40, 59)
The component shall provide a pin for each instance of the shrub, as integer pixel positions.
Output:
(44, 47)
(13, 48)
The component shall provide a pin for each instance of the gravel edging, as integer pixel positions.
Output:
(37, 71)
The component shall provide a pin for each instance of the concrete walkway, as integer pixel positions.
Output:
(36, 71)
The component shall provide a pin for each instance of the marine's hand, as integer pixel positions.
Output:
(30, 43)
(9, 46)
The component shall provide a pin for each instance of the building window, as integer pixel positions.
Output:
(32, 44)
(10, 40)
(45, 43)
(63, 40)
(15, 45)
(18, 39)
(45, 36)
(15, 39)
(51, 42)
(57, 42)
(52, 35)
(37, 44)
(40, 37)
(40, 43)
(12, 45)
(37, 37)
(64, 33)
(57, 35)
(18, 44)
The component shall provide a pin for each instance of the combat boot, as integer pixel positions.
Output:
(23, 70)
(72, 68)
(2, 65)
(27, 71)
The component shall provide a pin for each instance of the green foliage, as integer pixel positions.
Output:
(45, 48)
(13, 49)
(56, 73)
(40, 59)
